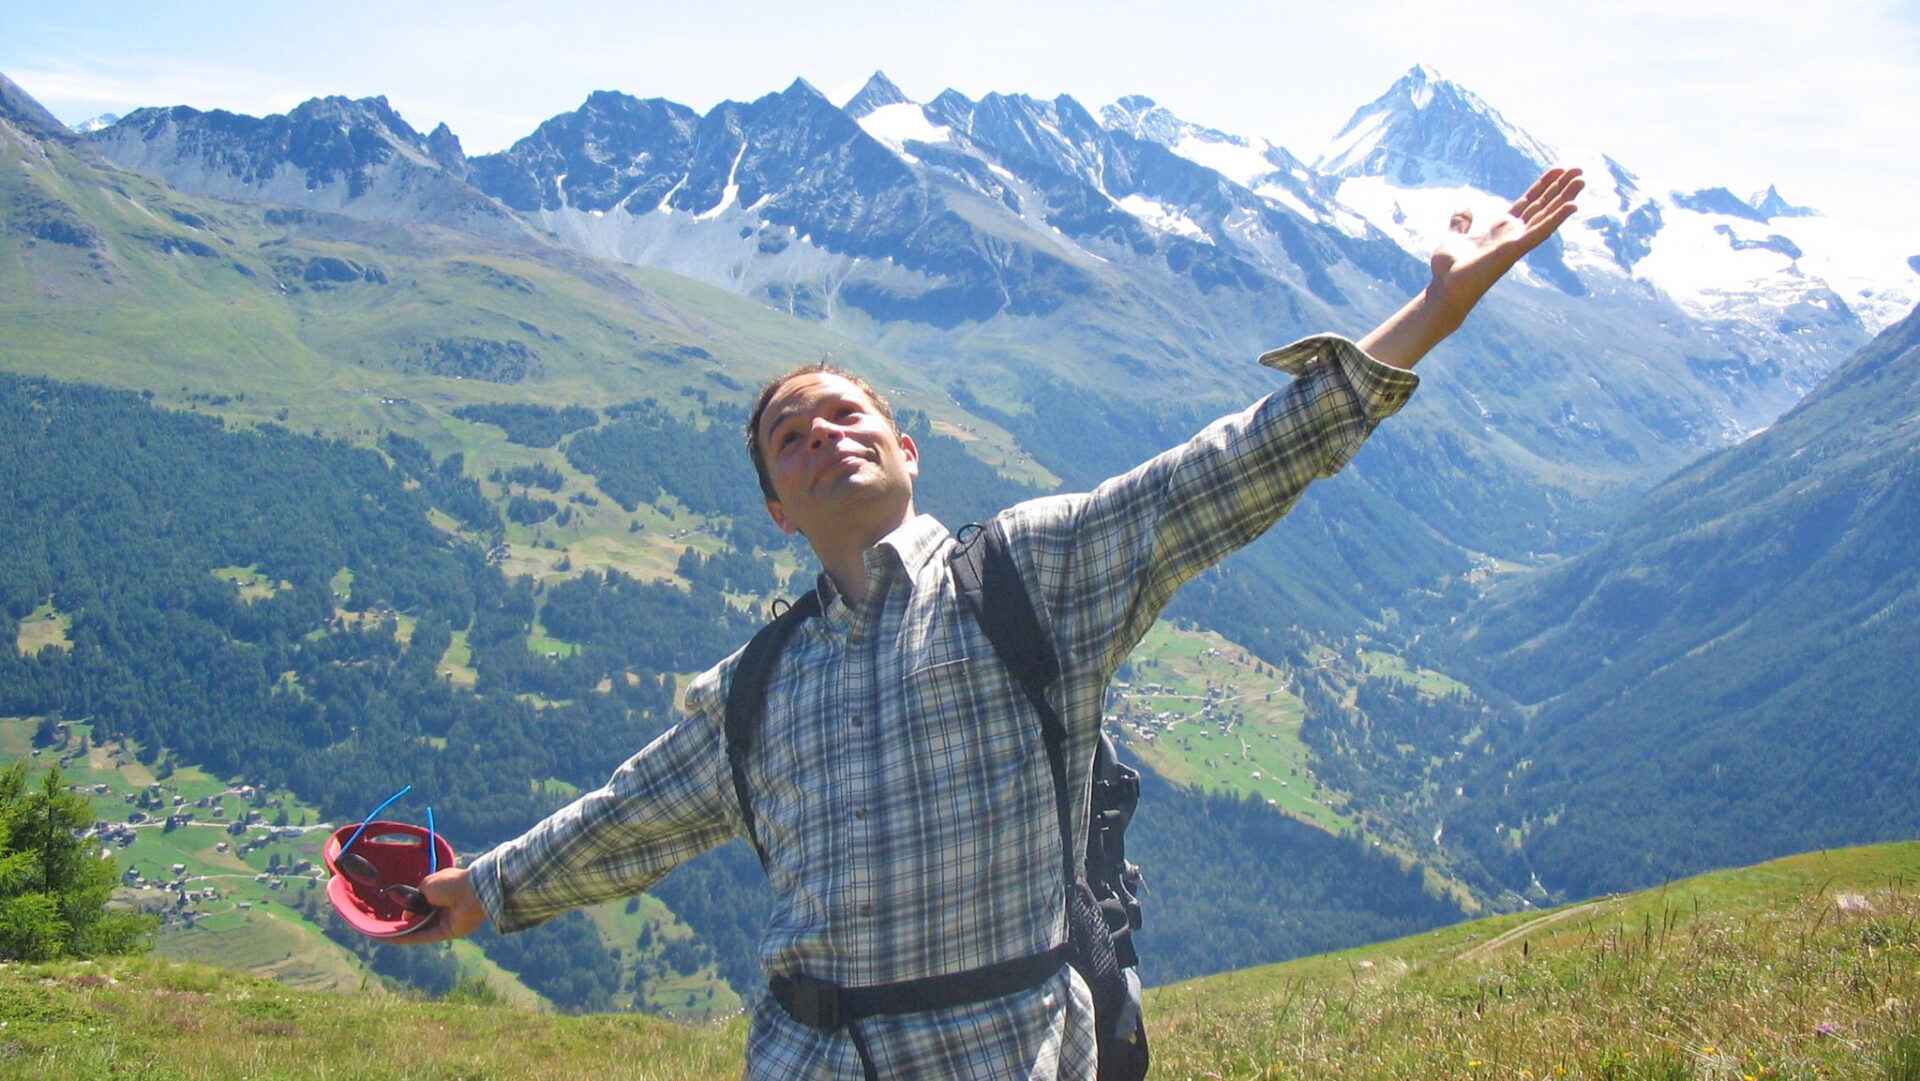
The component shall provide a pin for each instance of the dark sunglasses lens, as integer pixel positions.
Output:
(357, 868)
(410, 899)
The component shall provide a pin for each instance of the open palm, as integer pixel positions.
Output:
(1467, 263)
(1468, 260)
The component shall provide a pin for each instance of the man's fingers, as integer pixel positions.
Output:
(1561, 192)
(1556, 213)
(458, 909)
(1554, 187)
(1462, 221)
(1534, 194)
(446, 888)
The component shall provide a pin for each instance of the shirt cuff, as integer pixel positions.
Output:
(1382, 387)
(484, 875)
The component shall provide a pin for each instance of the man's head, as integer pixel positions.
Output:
(820, 436)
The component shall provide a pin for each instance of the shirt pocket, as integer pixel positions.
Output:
(940, 685)
(966, 720)
(961, 704)
(936, 653)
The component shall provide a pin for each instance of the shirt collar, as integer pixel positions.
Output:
(915, 543)
(910, 548)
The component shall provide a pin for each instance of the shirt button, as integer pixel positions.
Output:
(860, 814)
(859, 721)
(866, 910)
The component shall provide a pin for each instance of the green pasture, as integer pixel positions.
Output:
(46, 627)
(456, 665)
(1222, 720)
(1425, 680)
(252, 585)
(1801, 968)
(697, 996)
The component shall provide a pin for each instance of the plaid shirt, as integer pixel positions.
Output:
(900, 782)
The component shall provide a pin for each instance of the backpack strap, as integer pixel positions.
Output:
(747, 697)
(989, 583)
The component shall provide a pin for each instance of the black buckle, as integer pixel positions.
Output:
(812, 1001)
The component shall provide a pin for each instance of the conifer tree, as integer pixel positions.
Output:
(53, 887)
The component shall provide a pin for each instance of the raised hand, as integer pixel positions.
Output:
(1467, 263)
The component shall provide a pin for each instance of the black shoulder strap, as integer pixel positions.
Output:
(989, 582)
(747, 698)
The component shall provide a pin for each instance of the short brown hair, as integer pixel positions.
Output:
(758, 454)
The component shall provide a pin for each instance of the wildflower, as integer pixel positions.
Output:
(1825, 1028)
(1473, 1064)
(1709, 1050)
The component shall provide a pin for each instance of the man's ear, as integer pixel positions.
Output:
(779, 515)
(912, 454)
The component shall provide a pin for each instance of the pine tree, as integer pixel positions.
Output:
(53, 889)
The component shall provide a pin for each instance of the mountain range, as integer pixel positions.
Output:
(1133, 251)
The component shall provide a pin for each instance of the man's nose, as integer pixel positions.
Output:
(824, 430)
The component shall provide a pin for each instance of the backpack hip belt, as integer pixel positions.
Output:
(827, 1006)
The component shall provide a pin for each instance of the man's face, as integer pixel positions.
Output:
(836, 462)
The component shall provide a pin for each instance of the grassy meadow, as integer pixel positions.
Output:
(1803, 968)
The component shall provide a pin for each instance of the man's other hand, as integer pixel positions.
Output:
(459, 910)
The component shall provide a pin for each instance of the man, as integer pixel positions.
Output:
(900, 788)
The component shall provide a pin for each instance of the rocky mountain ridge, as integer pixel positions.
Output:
(357, 158)
(923, 224)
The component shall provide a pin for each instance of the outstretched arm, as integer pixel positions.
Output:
(1468, 262)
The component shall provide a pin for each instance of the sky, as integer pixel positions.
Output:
(1822, 99)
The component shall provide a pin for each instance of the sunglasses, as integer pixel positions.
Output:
(361, 872)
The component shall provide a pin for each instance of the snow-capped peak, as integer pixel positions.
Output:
(1771, 204)
(895, 123)
(98, 123)
(1421, 79)
(1254, 164)
(1428, 131)
(879, 93)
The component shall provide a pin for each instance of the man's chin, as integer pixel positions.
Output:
(855, 498)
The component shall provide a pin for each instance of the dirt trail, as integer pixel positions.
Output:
(1507, 937)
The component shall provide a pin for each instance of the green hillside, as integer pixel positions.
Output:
(1727, 676)
(1807, 967)
(1804, 967)
(350, 329)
